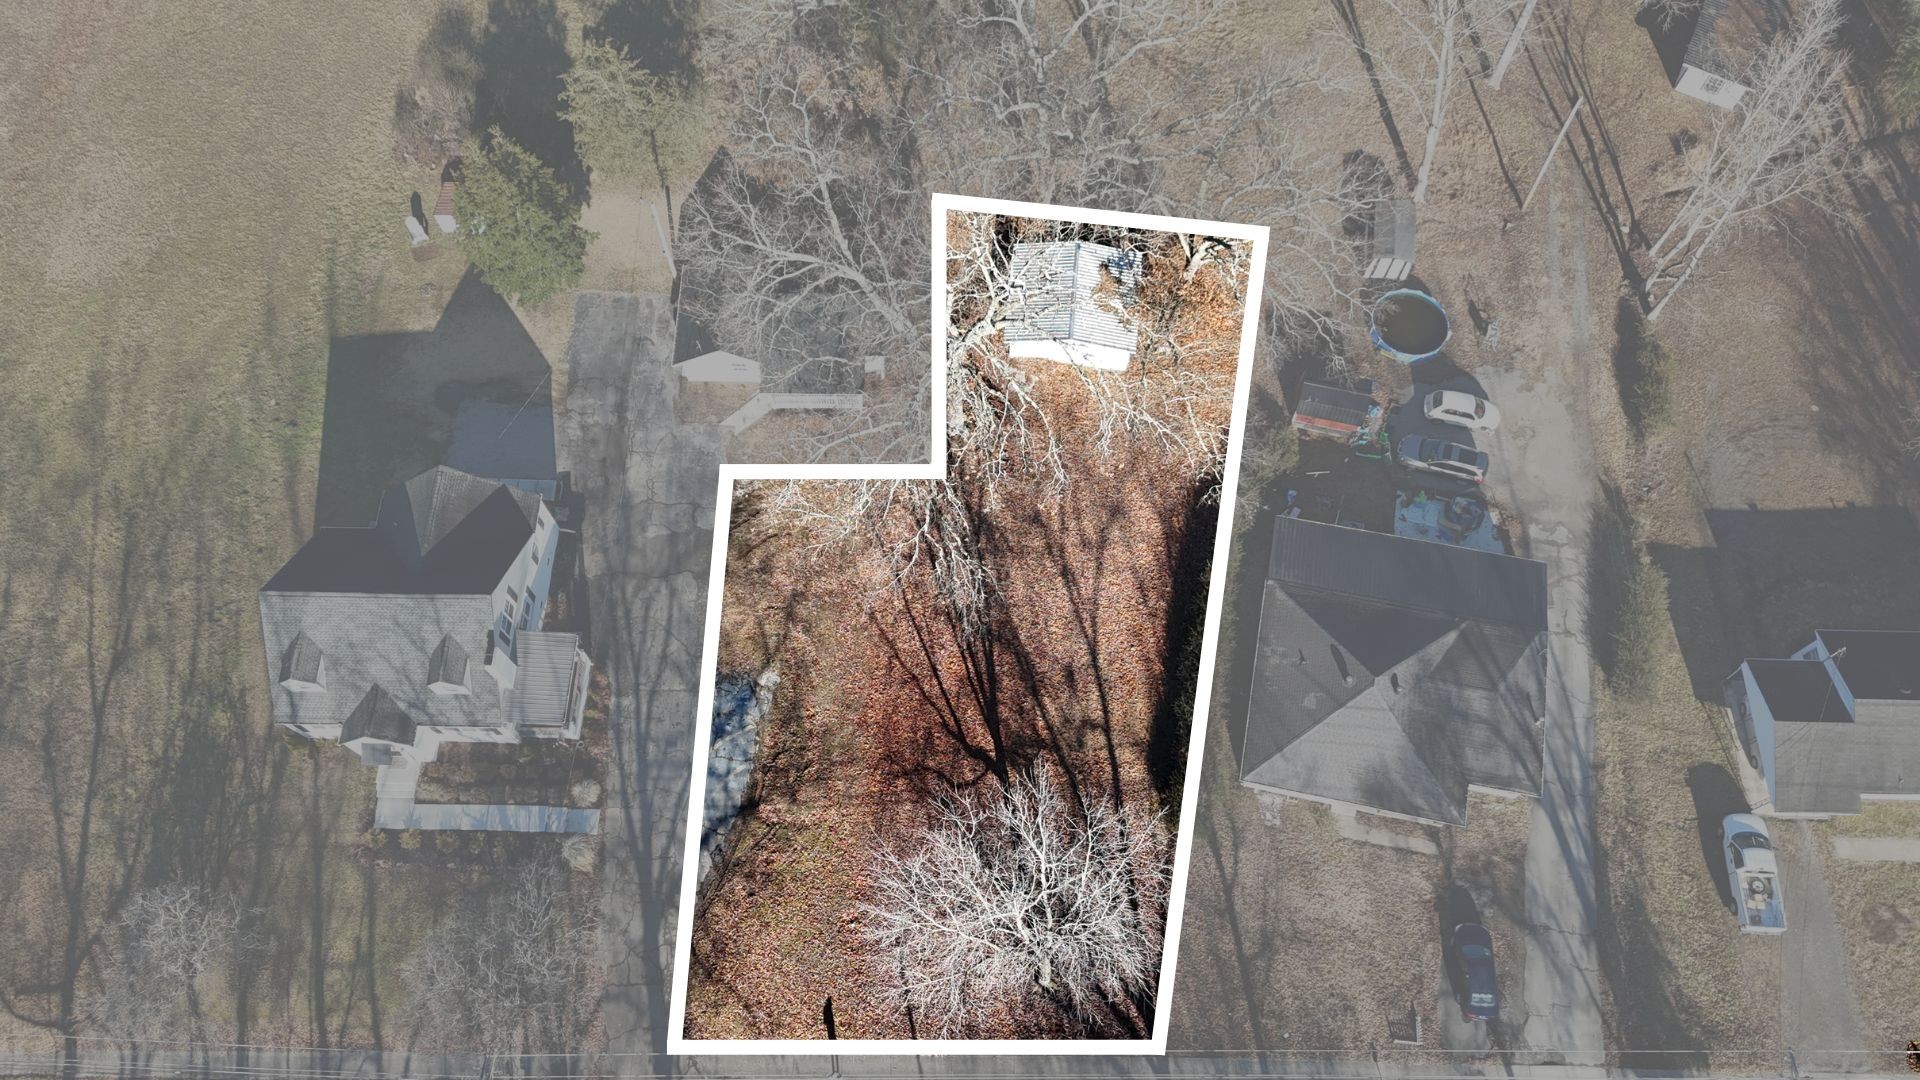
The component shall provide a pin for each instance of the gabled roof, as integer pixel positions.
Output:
(1394, 673)
(1729, 35)
(399, 605)
(1076, 291)
(1825, 755)
(384, 641)
(378, 716)
(443, 532)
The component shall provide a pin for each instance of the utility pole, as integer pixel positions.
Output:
(1513, 44)
(1551, 150)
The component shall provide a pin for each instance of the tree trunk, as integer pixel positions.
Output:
(1442, 86)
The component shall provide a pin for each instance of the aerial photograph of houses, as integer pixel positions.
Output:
(617, 538)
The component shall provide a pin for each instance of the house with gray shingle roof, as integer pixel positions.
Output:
(424, 627)
(1394, 675)
(1834, 725)
(1072, 301)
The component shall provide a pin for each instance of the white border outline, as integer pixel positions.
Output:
(1156, 1044)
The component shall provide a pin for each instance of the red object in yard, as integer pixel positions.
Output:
(1334, 411)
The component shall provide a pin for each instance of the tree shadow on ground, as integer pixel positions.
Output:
(473, 392)
(1565, 80)
(1349, 14)
(1172, 727)
(1715, 795)
(659, 35)
(1652, 1025)
(522, 55)
(1772, 577)
(1861, 298)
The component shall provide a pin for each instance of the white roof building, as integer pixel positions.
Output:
(1073, 303)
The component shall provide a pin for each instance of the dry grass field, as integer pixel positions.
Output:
(202, 200)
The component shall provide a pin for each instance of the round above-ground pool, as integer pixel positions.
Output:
(1409, 325)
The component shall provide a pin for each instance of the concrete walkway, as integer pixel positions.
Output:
(395, 787)
(1348, 824)
(1877, 848)
(1820, 1014)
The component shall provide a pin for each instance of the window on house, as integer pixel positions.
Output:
(1713, 85)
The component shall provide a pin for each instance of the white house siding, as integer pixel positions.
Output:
(1760, 722)
(528, 578)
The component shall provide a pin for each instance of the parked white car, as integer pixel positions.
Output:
(1753, 875)
(1461, 409)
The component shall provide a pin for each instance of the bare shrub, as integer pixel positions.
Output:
(433, 108)
(169, 939)
(1018, 896)
(509, 972)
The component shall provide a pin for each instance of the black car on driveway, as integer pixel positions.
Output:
(1473, 952)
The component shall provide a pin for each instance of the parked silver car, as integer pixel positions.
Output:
(1443, 457)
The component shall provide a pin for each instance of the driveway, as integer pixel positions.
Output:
(647, 534)
(1817, 1002)
(1542, 467)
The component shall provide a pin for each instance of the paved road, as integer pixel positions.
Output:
(649, 489)
(1820, 1011)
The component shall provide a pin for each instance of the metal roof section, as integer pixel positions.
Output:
(1072, 302)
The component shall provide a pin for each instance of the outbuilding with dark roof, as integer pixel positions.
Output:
(1833, 726)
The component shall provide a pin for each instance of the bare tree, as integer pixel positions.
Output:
(1016, 896)
(170, 937)
(806, 250)
(806, 247)
(1785, 145)
(1002, 435)
(1433, 48)
(1669, 13)
(509, 973)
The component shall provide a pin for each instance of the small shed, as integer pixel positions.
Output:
(1072, 301)
(1336, 412)
(416, 232)
(1391, 254)
(1727, 37)
(719, 367)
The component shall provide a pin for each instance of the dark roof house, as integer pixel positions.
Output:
(1395, 674)
(423, 627)
(1836, 724)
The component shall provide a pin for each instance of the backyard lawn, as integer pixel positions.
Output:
(204, 206)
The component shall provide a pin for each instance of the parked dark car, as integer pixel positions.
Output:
(1473, 951)
(1443, 457)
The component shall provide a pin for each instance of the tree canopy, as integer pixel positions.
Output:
(630, 122)
(518, 226)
